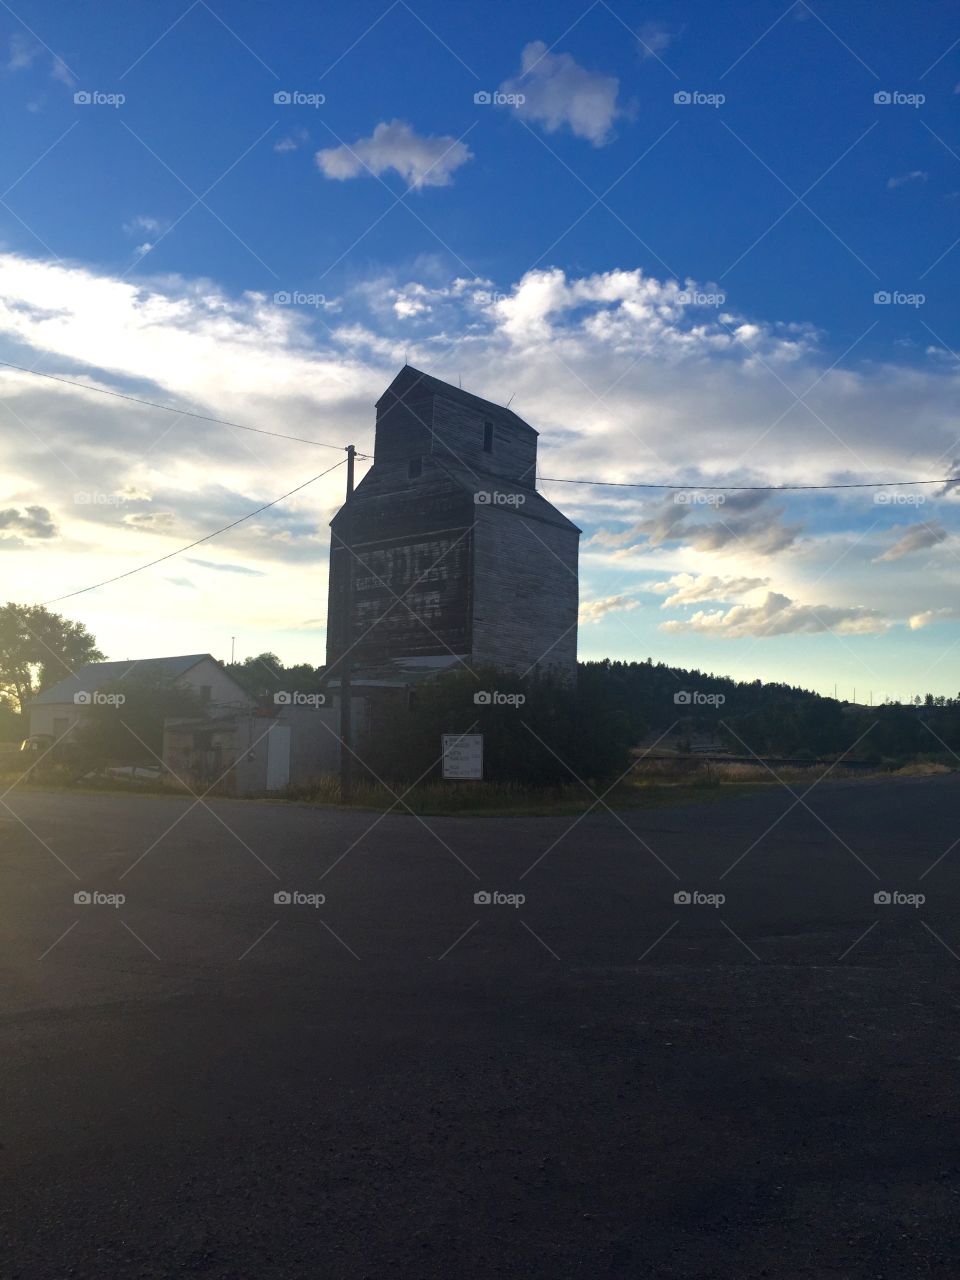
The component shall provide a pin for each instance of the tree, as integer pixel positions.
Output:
(553, 736)
(38, 648)
(125, 726)
(264, 675)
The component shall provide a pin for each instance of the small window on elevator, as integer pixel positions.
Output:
(414, 468)
(488, 437)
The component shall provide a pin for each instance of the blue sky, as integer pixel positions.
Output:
(659, 282)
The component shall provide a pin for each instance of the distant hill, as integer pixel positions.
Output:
(697, 710)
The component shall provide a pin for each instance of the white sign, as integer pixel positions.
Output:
(463, 755)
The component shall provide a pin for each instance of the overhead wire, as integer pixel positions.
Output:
(206, 538)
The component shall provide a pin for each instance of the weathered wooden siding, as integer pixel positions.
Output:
(458, 437)
(414, 544)
(526, 594)
(487, 581)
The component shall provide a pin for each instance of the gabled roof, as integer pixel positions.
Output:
(410, 378)
(380, 484)
(94, 675)
(529, 502)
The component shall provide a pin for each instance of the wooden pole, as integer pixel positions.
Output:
(346, 660)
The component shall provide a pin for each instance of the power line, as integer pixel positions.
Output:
(206, 538)
(167, 408)
(769, 488)
(614, 484)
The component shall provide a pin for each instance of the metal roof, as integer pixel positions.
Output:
(94, 675)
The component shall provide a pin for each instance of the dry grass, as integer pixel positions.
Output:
(651, 784)
(921, 769)
(686, 771)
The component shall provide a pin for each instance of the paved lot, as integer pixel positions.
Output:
(401, 1082)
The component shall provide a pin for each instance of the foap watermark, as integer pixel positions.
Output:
(492, 498)
(296, 898)
(96, 498)
(694, 98)
(494, 698)
(94, 98)
(484, 98)
(894, 898)
(697, 298)
(894, 98)
(494, 898)
(297, 298)
(296, 98)
(94, 898)
(293, 698)
(696, 898)
(694, 698)
(92, 698)
(697, 499)
(897, 298)
(884, 499)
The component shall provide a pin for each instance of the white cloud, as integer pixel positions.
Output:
(23, 53)
(292, 141)
(624, 380)
(918, 621)
(145, 222)
(421, 162)
(60, 71)
(686, 588)
(557, 91)
(594, 610)
(917, 537)
(901, 180)
(654, 38)
(778, 615)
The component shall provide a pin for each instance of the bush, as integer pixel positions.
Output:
(555, 736)
(132, 732)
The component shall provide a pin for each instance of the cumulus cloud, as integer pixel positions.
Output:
(687, 588)
(594, 610)
(630, 311)
(557, 91)
(745, 521)
(625, 377)
(19, 527)
(778, 615)
(917, 537)
(420, 161)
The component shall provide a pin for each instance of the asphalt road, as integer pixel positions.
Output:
(200, 1081)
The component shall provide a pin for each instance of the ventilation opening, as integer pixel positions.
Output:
(488, 437)
(414, 468)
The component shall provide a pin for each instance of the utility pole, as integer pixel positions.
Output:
(233, 640)
(346, 659)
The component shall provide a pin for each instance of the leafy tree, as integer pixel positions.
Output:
(11, 722)
(131, 731)
(264, 675)
(38, 648)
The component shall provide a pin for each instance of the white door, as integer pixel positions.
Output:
(278, 757)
